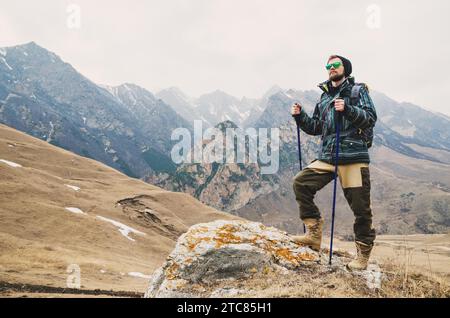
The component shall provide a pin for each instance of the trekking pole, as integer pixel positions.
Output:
(335, 183)
(299, 148)
(300, 160)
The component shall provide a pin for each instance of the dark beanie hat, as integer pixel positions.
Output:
(347, 65)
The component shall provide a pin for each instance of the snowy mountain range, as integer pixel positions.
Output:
(124, 127)
(212, 108)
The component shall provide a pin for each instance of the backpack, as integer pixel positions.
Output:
(366, 134)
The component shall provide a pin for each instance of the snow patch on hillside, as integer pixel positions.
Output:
(72, 187)
(125, 230)
(11, 164)
(139, 275)
(74, 210)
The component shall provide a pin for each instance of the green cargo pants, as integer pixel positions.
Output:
(355, 181)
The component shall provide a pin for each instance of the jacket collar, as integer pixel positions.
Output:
(325, 86)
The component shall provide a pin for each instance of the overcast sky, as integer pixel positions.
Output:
(244, 47)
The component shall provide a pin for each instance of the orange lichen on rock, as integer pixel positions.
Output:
(225, 235)
(200, 229)
(194, 241)
(171, 271)
(286, 254)
(228, 228)
(223, 238)
(295, 259)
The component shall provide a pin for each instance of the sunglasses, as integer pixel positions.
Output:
(335, 65)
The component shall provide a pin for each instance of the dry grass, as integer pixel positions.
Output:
(396, 282)
(402, 281)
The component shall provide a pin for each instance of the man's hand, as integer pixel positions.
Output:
(339, 105)
(296, 108)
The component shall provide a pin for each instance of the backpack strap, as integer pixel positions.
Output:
(354, 95)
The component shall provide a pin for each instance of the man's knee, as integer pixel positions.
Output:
(298, 179)
(309, 181)
(303, 182)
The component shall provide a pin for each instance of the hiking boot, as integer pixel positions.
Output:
(362, 257)
(313, 236)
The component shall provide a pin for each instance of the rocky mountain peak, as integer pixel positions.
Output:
(31, 54)
(271, 91)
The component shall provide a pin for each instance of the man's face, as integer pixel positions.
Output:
(336, 74)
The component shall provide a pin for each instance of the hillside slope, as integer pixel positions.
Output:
(57, 209)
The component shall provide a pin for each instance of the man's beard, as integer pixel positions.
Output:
(336, 77)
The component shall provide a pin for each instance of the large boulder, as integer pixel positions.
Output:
(226, 251)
